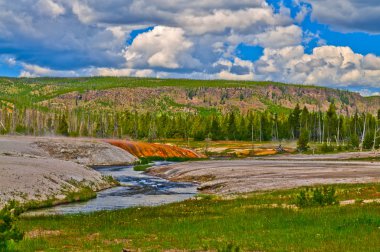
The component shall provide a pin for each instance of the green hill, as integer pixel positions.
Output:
(203, 96)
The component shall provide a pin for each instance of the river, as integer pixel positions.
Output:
(137, 189)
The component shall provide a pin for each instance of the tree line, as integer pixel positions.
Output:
(360, 130)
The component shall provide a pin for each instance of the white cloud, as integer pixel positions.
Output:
(280, 37)
(195, 39)
(367, 92)
(235, 70)
(50, 8)
(371, 62)
(162, 47)
(245, 20)
(84, 12)
(301, 15)
(30, 70)
(327, 65)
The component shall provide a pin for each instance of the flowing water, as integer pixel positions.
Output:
(137, 189)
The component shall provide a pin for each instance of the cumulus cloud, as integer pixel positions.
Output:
(348, 15)
(325, 66)
(191, 39)
(235, 70)
(162, 47)
(67, 35)
(280, 37)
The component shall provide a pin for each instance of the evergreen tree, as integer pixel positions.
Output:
(294, 121)
(303, 140)
(231, 127)
(63, 128)
(215, 129)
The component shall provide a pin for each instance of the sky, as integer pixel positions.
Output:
(319, 42)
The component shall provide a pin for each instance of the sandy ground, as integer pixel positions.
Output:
(248, 175)
(333, 156)
(39, 168)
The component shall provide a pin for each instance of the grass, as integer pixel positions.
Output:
(145, 163)
(83, 194)
(250, 223)
(142, 167)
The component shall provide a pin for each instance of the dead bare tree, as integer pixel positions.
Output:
(363, 132)
(375, 137)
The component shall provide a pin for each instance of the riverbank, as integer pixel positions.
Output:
(51, 170)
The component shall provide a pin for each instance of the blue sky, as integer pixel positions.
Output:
(321, 42)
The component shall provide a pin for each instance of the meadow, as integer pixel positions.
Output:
(255, 222)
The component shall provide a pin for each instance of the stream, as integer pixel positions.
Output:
(137, 189)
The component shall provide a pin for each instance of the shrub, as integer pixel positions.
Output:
(355, 141)
(229, 248)
(327, 148)
(8, 230)
(303, 141)
(368, 141)
(311, 197)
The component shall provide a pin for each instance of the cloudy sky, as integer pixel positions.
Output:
(323, 42)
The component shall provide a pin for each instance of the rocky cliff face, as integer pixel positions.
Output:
(274, 97)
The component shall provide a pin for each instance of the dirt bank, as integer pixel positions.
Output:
(41, 168)
(241, 176)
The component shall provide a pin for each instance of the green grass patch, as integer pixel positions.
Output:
(247, 223)
(83, 194)
(148, 160)
(143, 167)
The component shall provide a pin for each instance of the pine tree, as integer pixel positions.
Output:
(303, 140)
(294, 121)
(215, 129)
(63, 128)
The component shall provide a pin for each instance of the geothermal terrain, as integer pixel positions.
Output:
(263, 174)
(41, 168)
(50, 168)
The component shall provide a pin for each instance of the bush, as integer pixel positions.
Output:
(355, 141)
(8, 230)
(303, 141)
(229, 248)
(327, 148)
(312, 197)
(368, 141)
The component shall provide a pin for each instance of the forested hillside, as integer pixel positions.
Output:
(154, 109)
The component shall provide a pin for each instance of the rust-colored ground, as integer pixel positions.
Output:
(141, 149)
